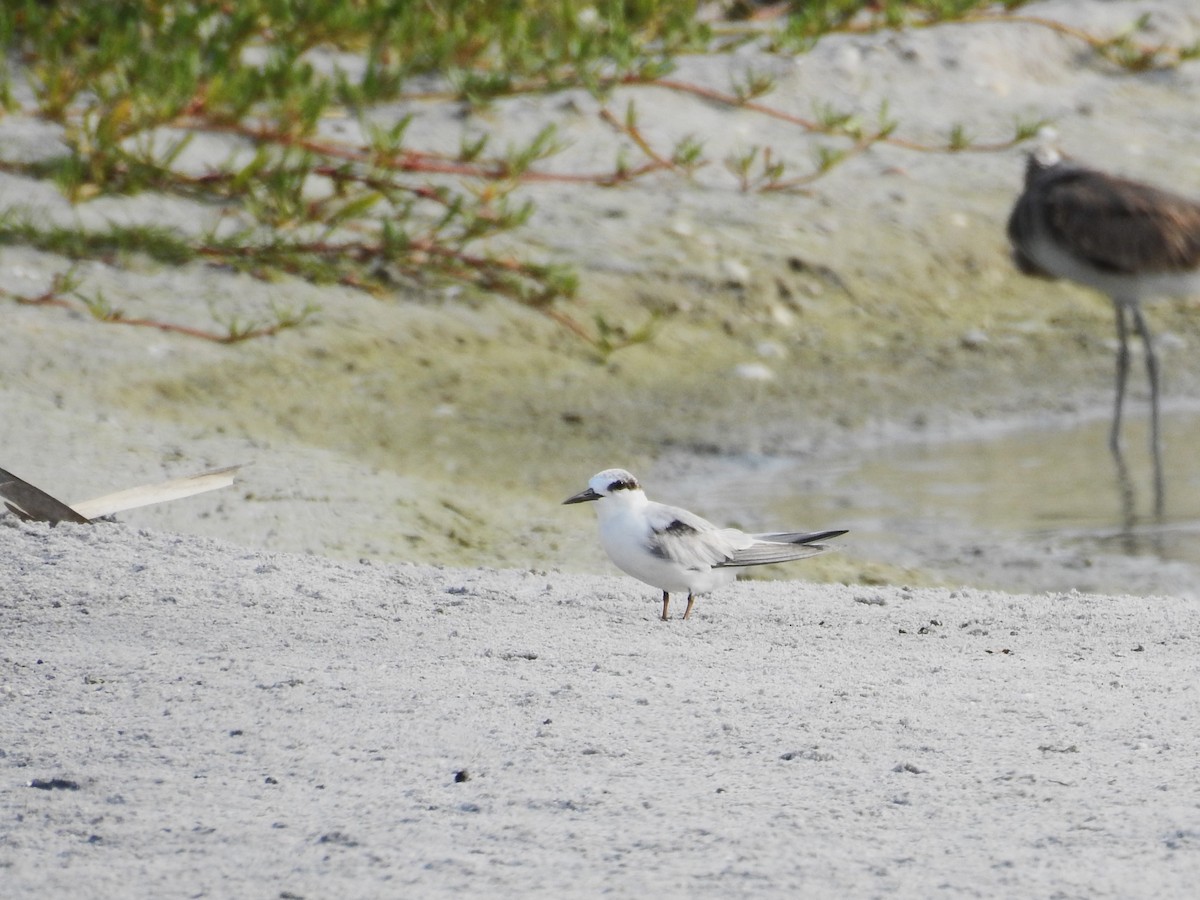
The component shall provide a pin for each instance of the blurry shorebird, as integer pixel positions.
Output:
(1126, 239)
(675, 550)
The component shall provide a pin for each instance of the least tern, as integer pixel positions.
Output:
(675, 550)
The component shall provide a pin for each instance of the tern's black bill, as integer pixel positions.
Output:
(582, 497)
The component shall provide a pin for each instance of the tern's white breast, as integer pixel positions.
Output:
(626, 535)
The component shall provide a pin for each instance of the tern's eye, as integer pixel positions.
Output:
(622, 486)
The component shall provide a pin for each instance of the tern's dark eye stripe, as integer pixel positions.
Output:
(622, 486)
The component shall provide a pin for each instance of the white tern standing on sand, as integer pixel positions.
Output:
(675, 550)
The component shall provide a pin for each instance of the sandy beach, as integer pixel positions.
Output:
(185, 717)
(388, 662)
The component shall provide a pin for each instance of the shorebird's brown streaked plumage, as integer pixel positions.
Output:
(1128, 240)
(1116, 226)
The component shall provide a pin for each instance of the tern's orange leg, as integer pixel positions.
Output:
(691, 599)
(666, 603)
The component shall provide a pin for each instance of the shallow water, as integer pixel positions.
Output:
(1036, 508)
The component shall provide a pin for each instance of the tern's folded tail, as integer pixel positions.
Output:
(777, 548)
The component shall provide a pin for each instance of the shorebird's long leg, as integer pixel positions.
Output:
(666, 604)
(1114, 436)
(691, 599)
(1143, 331)
(1128, 506)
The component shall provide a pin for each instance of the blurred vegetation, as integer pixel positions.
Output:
(133, 83)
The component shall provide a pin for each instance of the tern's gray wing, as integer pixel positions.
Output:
(685, 538)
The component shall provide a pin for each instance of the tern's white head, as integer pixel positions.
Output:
(614, 484)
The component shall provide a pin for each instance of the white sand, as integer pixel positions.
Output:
(249, 724)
